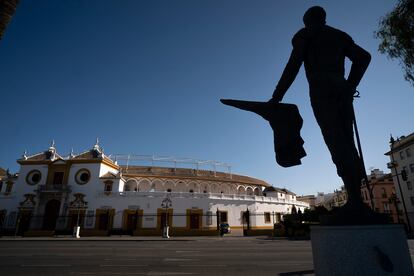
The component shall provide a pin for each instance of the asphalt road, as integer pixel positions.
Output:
(192, 256)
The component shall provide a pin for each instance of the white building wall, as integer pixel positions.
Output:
(404, 159)
(222, 196)
(234, 205)
(21, 187)
(89, 189)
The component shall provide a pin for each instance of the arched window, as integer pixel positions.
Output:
(130, 185)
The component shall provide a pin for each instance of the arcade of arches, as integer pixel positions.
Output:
(161, 185)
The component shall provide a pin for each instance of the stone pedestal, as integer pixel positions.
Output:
(360, 250)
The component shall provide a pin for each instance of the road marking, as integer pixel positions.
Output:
(170, 273)
(179, 260)
(109, 273)
(119, 265)
(203, 265)
(120, 259)
(47, 265)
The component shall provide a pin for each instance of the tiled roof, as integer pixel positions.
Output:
(133, 171)
(110, 175)
(280, 190)
(85, 155)
(3, 172)
(41, 156)
(91, 154)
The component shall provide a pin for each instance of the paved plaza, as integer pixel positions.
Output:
(155, 256)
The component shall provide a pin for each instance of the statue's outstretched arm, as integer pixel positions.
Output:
(291, 70)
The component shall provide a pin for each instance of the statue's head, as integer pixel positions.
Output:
(314, 16)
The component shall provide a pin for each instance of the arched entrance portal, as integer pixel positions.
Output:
(51, 214)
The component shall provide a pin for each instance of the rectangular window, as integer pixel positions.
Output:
(384, 193)
(408, 152)
(405, 169)
(9, 187)
(243, 217)
(195, 221)
(89, 218)
(412, 168)
(209, 218)
(108, 187)
(399, 208)
(11, 221)
(386, 208)
(58, 178)
(223, 216)
(409, 185)
(267, 217)
(103, 221)
(1, 185)
(402, 155)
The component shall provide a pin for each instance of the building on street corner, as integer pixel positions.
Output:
(384, 197)
(402, 170)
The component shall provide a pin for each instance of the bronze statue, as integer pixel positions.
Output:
(323, 49)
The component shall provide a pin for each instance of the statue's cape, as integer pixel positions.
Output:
(286, 122)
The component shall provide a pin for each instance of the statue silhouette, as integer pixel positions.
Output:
(323, 49)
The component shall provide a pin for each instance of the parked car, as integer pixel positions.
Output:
(225, 228)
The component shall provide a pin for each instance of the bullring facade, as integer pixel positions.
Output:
(52, 194)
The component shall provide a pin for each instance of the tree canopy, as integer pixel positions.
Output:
(396, 32)
(7, 9)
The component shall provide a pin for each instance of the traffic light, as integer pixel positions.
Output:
(404, 175)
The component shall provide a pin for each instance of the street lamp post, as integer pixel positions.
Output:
(76, 229)
(393, 165)
(166, 203)
(394, 200)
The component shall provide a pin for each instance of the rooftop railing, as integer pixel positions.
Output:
(219, 196)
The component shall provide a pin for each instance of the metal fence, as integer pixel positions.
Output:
(137, 223)
(109, 223)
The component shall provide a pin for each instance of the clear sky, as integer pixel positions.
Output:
(146, 78)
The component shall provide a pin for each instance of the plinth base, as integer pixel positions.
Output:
(360, 250)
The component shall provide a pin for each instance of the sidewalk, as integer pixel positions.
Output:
(236, 234)
(129, 238)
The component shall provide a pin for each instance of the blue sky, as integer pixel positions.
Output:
(146, 78)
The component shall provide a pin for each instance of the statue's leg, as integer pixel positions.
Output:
(334, 117)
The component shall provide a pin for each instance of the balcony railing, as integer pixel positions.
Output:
(391, 165)
(205, 195)
(54, 188)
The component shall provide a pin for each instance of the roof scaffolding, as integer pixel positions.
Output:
(134, 159)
